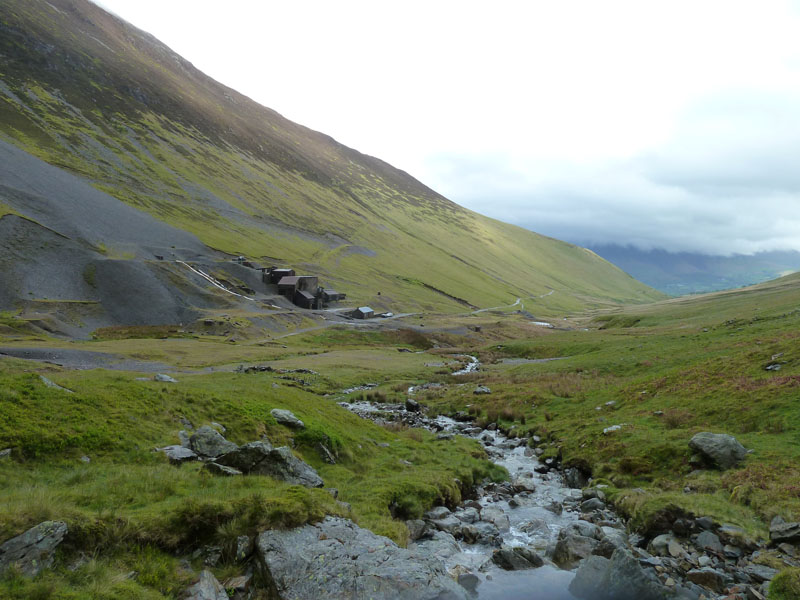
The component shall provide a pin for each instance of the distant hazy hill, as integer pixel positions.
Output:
(686, 273)
(94, 96)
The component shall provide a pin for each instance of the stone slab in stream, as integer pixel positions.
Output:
(337, 560)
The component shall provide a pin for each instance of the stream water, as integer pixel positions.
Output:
(535, 519)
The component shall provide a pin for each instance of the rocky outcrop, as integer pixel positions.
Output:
(209, 443)
(260, 458)
(718, 450)
(337, 560)
(33, 551)
(286, 417)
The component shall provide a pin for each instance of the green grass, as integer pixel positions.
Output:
(134, 512)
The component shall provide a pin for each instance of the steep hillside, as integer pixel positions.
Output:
(94, 96)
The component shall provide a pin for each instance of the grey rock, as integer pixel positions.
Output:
(440, 546)
(207, 588)
(706, 523)
(611, 540)
(708, 578)
(417, 528)
(208, 443)
(524, 483)
(515, 559)
(178, 454)
(583, 528)
(222, 470)
(450, 524)
(5, 453)
(437, 512)
(469, 581)
(32, 552)
(286, 417)
(573, 548)
(709, 542)
(588, 577)
(164, 378)
(482, 389)
(574, 478)
(659, 545)
(488, 534)
(336, 560)
(412, 405)
(246, 457)
(468, 515)
(620, 578)
(497, 517)
(282, 464)
(718, 450)
(760, 573)
(260, 458)
(782, 532)
(183, 436)
(592, 504)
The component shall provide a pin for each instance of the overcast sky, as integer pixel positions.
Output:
(671, 124)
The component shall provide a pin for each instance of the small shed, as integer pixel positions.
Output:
(273, 275)
(287, 286)
(363, 312)
(304, 299)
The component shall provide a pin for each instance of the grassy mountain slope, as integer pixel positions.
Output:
(93, 95)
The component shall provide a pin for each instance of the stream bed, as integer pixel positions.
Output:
(530, 511)
(524, 539)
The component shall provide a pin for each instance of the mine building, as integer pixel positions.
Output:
(329, 295)
(273, 275)
(363, 312)
(305, 299)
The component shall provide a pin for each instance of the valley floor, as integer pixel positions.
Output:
(629, 390)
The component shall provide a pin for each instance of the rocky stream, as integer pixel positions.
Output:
(548, 534)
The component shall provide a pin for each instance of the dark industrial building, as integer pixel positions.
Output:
(305, 299)
(273, 275)
(329, 295)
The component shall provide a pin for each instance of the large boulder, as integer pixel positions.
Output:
(286, 417)
(33, 551)
(260, 458)
(718, 450)
(620, 578)
(246, 457)
(337, 560)
(209, 443)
